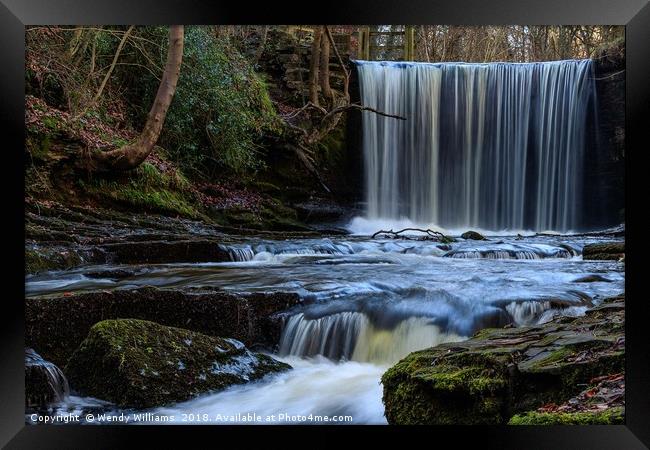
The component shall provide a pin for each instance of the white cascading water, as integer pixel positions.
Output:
(494, 146)
(352, 336)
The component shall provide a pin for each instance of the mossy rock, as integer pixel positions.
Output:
(422, 389)
(141, 364)
(504, 371)
(611, 416)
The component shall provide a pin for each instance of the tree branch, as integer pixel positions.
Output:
(115, 58)
(343, 108)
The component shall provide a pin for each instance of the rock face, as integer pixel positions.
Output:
(56, 325)
(604, 184)
(473, 235)
(141, 364)
(59, 237)
(602, 251)
(156, 252)
(501, 372)
(44, 382)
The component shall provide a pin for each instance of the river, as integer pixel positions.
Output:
(366, 304)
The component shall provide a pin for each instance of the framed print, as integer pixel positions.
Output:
(386, 218)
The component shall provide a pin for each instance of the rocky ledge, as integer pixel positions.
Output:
(604, 250)
(506, 374)
(61, 237)
(141, 364)
(56, 325)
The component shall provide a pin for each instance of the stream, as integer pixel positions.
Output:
(366, 304)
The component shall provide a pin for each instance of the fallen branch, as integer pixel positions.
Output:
(430, 234)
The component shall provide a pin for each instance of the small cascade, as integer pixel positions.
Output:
(527, 313)
(333, 336)
(510, 252)
(352, 336)
(240, 254)
(44, 381)
(280, 252)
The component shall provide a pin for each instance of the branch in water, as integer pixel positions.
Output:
(430, 234)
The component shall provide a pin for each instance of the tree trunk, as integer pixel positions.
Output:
(313, 66)
(325, 68)
(133, 154)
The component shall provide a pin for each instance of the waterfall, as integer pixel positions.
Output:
(495, 146)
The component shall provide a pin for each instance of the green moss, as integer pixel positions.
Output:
(473, 380)
(554, 359)
(149, 189)
(612, 416)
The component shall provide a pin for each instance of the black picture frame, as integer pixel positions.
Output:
(15, 14)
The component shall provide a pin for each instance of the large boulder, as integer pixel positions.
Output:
(141, 364)
(605, 250)
(501, 372)
(56, 325)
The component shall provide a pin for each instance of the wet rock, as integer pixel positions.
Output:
(157, 252)
(473, 235)
(592, 279)
(604, 251)
(44, 382)
(113, 274)
(502, 372)
(56, 325)
(141, 364)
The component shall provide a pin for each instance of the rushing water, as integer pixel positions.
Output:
(367, 303)
(496, 146)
